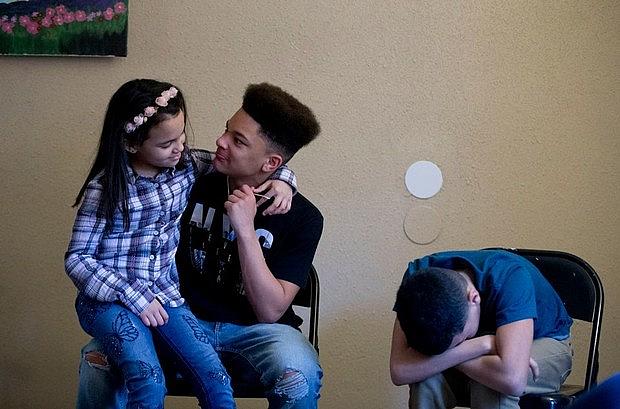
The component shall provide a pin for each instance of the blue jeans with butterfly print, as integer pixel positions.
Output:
(129, 345)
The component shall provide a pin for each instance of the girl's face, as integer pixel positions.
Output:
(162, 148)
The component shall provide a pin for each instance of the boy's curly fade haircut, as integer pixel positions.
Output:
(287, 124)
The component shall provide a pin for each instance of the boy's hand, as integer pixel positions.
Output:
(281, 193)
(154, 315)
(241, 209)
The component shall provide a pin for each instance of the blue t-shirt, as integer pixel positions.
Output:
(511, 289)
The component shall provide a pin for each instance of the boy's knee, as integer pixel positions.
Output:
(97, 360)
(291, 386)
(434, 391)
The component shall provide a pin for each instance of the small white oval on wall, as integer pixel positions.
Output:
(422, 224)
(423, 179)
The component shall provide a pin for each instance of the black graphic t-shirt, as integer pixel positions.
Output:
(208, 261)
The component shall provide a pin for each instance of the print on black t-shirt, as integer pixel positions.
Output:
(213, 246)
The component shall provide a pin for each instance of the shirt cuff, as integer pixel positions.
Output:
(285, 174)
(137, 297)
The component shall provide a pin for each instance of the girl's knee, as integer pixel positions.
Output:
(144, 380)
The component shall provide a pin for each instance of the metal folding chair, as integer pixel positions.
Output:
(581, 290)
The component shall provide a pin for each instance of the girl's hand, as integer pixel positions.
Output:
(154, 315)
(281, 193)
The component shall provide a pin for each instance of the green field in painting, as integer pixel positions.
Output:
(99, 37)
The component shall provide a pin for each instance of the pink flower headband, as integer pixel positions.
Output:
(160, 101)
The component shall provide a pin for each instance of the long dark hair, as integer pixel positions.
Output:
(112, 158)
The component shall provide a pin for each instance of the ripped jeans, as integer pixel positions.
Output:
(129, 346)
(277, 357)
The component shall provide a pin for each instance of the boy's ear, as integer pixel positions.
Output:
(273, 162)
(473, 296)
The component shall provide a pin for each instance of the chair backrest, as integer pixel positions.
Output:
(581, 291)
(309, 297)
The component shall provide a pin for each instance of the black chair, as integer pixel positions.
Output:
(248, 385)
(581, 290)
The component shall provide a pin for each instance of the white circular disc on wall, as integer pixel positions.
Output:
(423, 179)
(422, 224)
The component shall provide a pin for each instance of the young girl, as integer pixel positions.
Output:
(121, 254)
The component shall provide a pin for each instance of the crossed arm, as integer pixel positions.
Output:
(501, 362)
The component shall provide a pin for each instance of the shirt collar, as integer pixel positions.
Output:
(134, 177)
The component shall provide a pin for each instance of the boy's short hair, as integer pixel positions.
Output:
(431, 306)
(287, 124)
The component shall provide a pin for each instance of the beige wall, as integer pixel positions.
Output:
(517, 102)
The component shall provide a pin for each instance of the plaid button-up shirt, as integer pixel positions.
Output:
(135, 265)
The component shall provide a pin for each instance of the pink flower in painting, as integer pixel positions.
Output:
(120, 8)
(23, 20)
(13, 19)
(108, 14)
(35, 14)
(49, 12)
(32, 28)
(46, 22)
(61, 9)
(69, 17)
(4, 18)
(58, 20)
(7, 27)
(80, 15)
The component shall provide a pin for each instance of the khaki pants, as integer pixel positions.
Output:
(554, 360)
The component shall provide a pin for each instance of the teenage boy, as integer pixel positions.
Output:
(487, 318)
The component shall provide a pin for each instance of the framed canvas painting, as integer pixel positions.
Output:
(64, 27)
